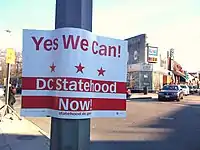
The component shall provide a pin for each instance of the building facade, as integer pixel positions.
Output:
(141, 73)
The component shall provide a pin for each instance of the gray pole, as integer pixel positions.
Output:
(7, 87)
(68, 134)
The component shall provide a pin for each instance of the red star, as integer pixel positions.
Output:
(79, 68)
(101, 71)
(52, 67)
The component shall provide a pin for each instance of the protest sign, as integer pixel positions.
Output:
(72, 73)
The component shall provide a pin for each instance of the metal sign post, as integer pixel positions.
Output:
(69, 134)
(10, 59)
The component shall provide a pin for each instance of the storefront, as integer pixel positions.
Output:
(140, 76)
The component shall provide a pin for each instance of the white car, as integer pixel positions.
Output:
(186, 89)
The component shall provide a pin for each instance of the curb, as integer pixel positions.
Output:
(135, 98)
(46, 136)
(38, 129)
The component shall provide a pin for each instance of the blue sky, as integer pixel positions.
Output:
(168, 24)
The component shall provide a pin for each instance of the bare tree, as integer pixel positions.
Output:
(16, 69)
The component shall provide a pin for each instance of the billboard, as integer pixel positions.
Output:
(76, 75)
(136, 49)
(152, 54)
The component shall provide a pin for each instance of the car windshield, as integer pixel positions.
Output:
(183, 86)
(170, 88)
(190, 87)
(194, 87)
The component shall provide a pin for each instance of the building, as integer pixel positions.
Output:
(139, 73)
(146, 68)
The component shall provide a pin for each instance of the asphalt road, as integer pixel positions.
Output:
(149, 125)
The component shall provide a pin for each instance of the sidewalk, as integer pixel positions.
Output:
(142, 96)
(21, 135)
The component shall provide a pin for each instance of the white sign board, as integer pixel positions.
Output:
(72, 73)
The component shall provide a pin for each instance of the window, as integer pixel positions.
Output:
(170, 88)
(183, 86)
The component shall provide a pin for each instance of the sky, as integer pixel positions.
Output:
(168, 24)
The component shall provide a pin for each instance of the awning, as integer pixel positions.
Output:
(178, 73)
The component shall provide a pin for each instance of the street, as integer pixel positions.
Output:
(149, 125)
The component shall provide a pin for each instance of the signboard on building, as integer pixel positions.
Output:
(72, 73)
(136, 49)
(146, 67)
(140, 67)
(152, 54)
(163, 62)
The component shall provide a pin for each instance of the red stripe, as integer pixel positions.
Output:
(53, 103)
(30, 83)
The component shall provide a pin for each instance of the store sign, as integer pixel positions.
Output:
(71, 73)
(152, 54)
(146, 67)
(10, 56)
(140, 67)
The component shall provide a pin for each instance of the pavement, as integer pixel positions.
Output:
(22, 134)
(149, 125)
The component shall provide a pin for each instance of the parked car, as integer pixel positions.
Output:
(191, 89)
(186, 89)
(1, 90)
(171, 92)
(195, 89)
(198, 90)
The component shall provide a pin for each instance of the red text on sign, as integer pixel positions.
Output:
(47, 44)
(74, 43)
(104, 50)
(97, 49)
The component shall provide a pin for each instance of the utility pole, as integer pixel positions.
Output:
(71, 134)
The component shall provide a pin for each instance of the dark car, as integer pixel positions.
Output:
(171, 92)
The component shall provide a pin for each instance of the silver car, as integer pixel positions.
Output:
(186, 89)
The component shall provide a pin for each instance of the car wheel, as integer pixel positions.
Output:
(178, 99)
(182, 96)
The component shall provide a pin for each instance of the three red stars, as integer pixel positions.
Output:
(101, 71)
(79, 68)
(52, 67)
